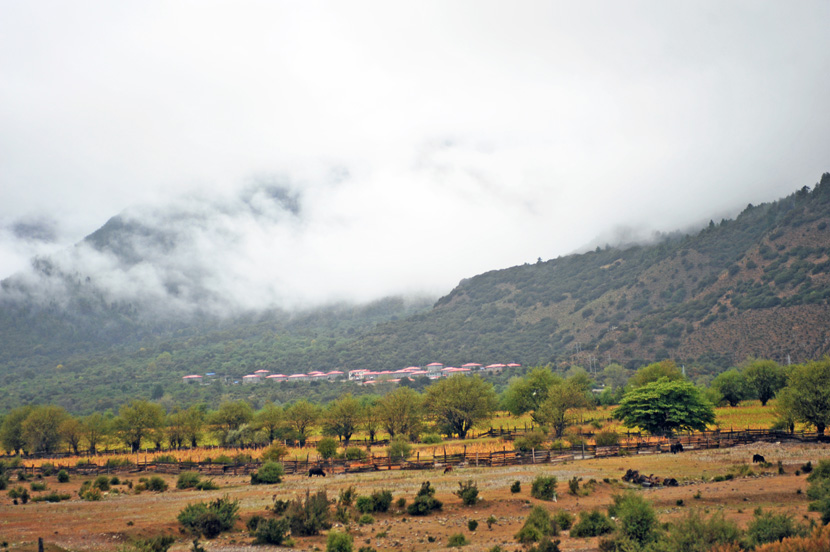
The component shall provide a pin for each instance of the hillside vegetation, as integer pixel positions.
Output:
(756, 285)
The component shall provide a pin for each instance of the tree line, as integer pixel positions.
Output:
(656, 398)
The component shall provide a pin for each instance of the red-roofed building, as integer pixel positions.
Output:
(192, 379)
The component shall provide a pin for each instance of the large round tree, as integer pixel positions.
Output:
(459, 402)
(663, 407)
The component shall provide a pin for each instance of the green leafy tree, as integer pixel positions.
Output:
(41, 428)
(11, 432)
(732, 386)
(637, 519)
(96, 428)
(370, 420)
(665, 406)
(400, 412)
(459, 402)
(615, 376)
(137, 420)
(527, 393)
(342, 418)
(231, 416)
(270, 419)
(765, 378)
(810, 395)
(562, 398)
(72, 432)
(327, 448)
(193, 423)
(656, 371)
(302, 416)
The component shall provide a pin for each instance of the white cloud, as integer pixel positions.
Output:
(473, 135)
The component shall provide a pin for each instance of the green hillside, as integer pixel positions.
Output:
(757, 285)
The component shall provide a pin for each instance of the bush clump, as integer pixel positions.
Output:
(188, 480)
(431, 439)
(270, 531)
(425, 501)
(366, 519)
(399, 448)
(457, 540)
(771, 527)
(468, 493)
(63, 476)
(156, 484)
(327, 448)
(530, 441)
(269, 474)
(538, 525)
(592, 524)
(310, 516)
(274, 453)
(339, 542)
(638, 521)
(694, 533)
(378, 501)
(544, 488)
(516, 487)
(564, 519)
(607, 438)
(54, 496)
(209, 519)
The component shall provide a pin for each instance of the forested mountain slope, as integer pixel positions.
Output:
(757, 285)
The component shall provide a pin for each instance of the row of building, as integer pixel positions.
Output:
(434, 370)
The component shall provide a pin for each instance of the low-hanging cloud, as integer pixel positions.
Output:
(412, 145)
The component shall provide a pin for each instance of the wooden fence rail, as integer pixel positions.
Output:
(380, 462)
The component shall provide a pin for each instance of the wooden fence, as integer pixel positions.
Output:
(630, 444)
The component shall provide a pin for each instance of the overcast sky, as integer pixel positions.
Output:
(426, 141)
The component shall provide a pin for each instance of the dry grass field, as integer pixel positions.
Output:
(120, 516)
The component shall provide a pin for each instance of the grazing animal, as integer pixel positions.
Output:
(448, 469)
(316, 471)
(758, 459)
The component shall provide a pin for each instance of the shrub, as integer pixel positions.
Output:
(516, 487)
(223, 459)
(327, 448)
(431, 439)
(161, 543)
(347, 496)
(310, 516)
(545, 545)
(694, 533)
(573, 485)
(425, 501)
(156, 484)
(564, 519)
(280, 506)
(354, 453)
(491, 521)
(166, 459)
(457, 540)
(271, 531)
(269, 474)
(638, 522)
(468, 493)
(771, 527)
(538, 525)
(592, 524)
(530, 441)
(206, 485)
(472, 524)
(52, 497)
(808, 467)
(607, 438)
(341, 514)
(114, 463)
(274, 453)
(38, 485)
(187, 480)
(102, 483)
(92, 494)
(114, 480)
(339, 542)
(401, 503)
(544, 488)
(19, 493)
(399, 448)
(366, 519)
(47, 469)
(209, 518)
(378, 501)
